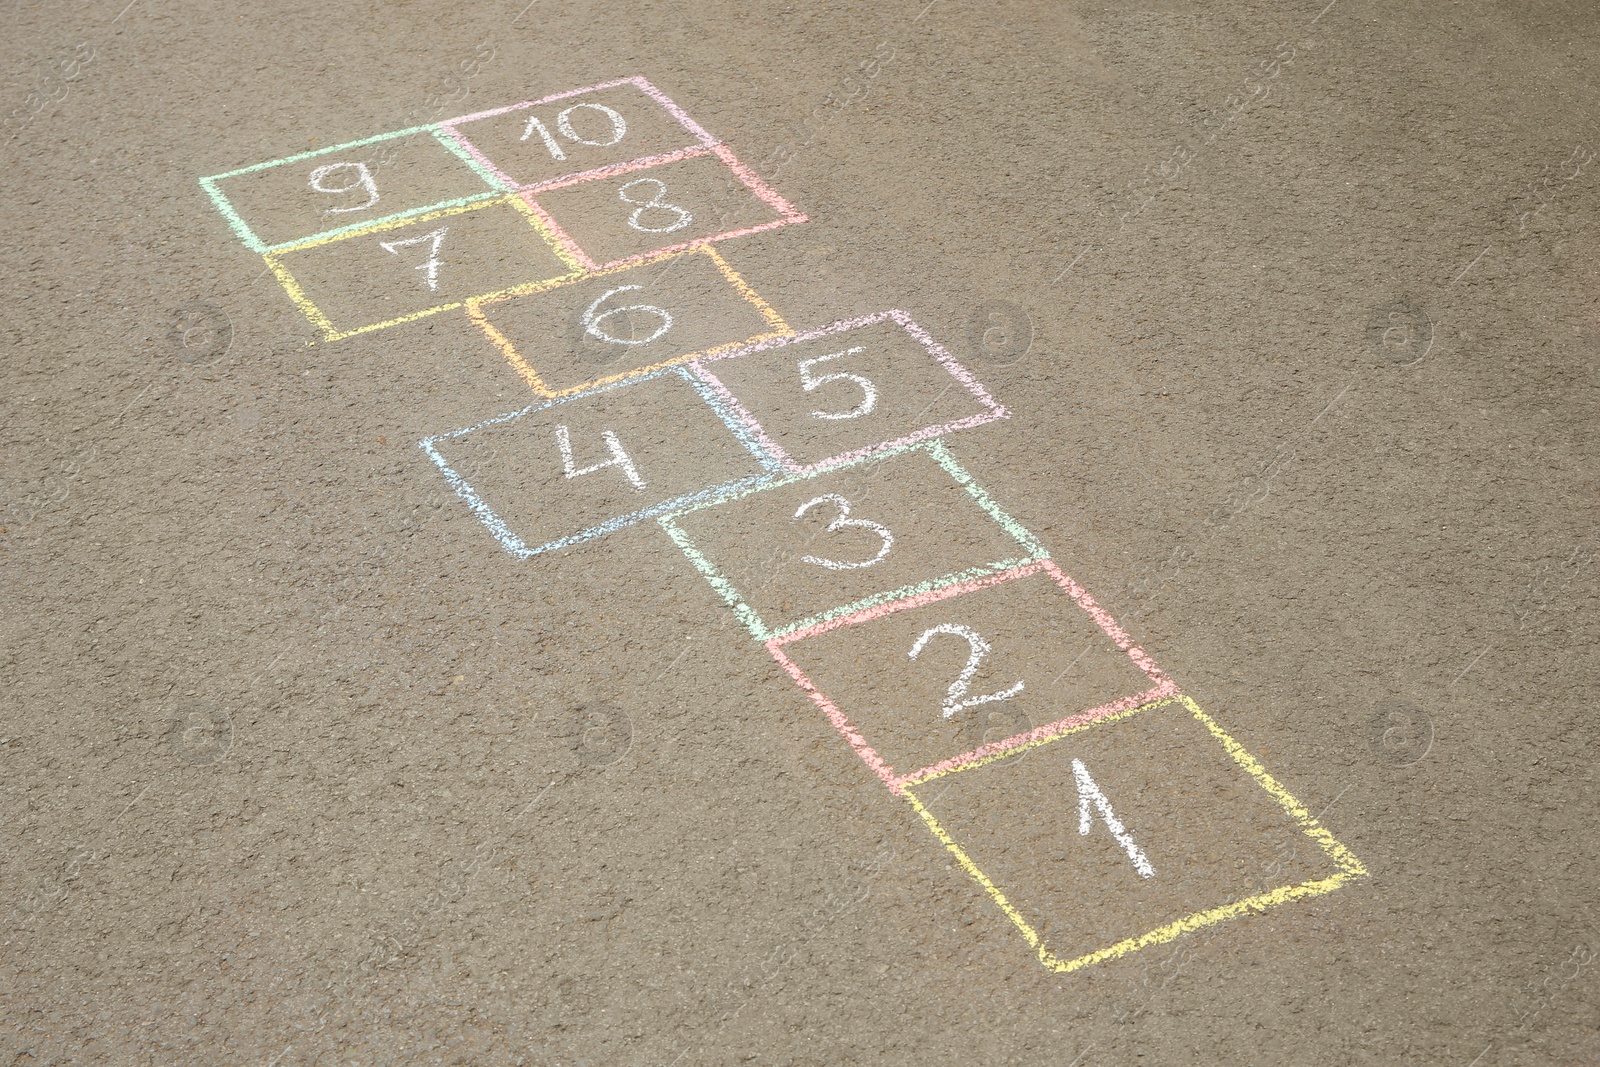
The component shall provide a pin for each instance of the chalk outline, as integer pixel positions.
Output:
(333, 333)
(1164, 687)
(787, 214)
(243, 231)
(1349, 866)
(451, 128)
(1034, 551)
(475, 312)
(515, 545)
(940, 354)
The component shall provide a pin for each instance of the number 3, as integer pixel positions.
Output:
(979, 648)
(840, 523)
(869, 392)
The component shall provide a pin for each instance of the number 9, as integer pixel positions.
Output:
(362, 179)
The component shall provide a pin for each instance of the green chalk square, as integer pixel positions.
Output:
(413, 171)
(919, 493)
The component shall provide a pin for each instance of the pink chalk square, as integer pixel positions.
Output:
(967, 672)
(848, 390)
(590, 131)
(631, 214)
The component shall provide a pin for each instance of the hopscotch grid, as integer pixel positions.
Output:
(502, 531)
(779, 470)
(241, 228)
(996, 410)
(474, 308)
(332, 333)
(1349, 866)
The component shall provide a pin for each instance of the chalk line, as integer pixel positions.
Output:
(777, 328)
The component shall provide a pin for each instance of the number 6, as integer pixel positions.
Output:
(869, 392)
(591, 322)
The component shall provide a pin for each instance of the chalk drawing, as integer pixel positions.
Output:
(695, 134)
(591, 321)
(429, 267)
(479, 309)
(937, 591)
(363, 180)
(957, 699)
(786, 214)
(619, 458)
(1031, 549)
(354, 176)
(484, 186)
(655, 203)
(1349, 867)
(1091, 796)
(869, 391)
(991, 409)
(844, 521)
(501, 529)
(332, 332)
(591, 124)
(619, 127)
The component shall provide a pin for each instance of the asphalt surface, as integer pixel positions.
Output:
(1166, 639)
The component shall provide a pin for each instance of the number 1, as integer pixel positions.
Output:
(1089, 793)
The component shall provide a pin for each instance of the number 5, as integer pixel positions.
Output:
(869, 392)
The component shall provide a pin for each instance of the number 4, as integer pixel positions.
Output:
(619, 457)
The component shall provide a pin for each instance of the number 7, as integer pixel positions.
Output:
(431, 266)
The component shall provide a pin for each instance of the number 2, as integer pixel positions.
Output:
(957, 699)
(841, 522)
(869, 392)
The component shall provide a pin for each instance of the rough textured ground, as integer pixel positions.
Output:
(301, 768)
